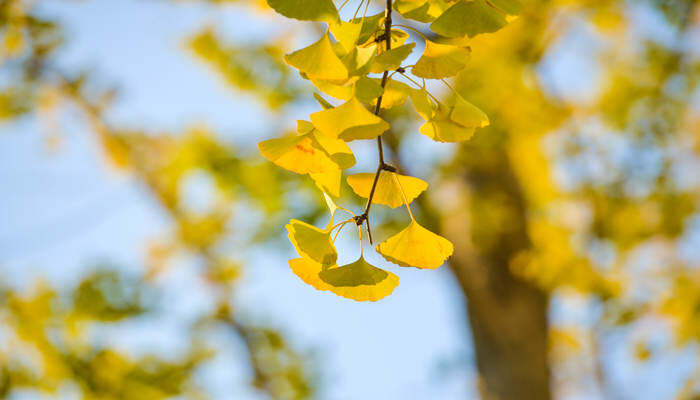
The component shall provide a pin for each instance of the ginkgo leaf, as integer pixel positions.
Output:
(306, 10)
(359, 60)
(350, 121)
(312, 242)
(391, 59)
(441, 60)
(422, 103)
(304, 126)
(367, 89)
(338, 91)
(301, 154)
(358, 281)
(370, 25)
(421, 10)
(337, 149)
(454, 122)
(510, 7)
(318, 61)
(329, 181)
(468, 17)
(387, 191)
(347, 34)
(417, 247)
(323, 102)
(395, 93)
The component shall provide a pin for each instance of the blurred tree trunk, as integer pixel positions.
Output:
(507, 315)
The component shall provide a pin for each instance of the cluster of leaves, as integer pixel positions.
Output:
(341, 64)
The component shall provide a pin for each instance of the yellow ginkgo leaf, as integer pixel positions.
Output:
(441, 60)
(359, 60)
(339, 91)
(304, 127)
(319, 61)
(306, 10)
(358, 281)
(392, 59)
(468, 17)
(323, 102)
(510, 7)
(350, 121)
(347, 34)
(422, 103)
(417, 247)
(329, 181)
(454, 123)
(337, 149)
(301, 154)
(387, 191)
(420, 10)
(395, 93)
(311, 242)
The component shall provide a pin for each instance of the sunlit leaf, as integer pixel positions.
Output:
(420, 10)
(312, 242)
(395, 94)
(468, 17)
(441, 60)
(318, 61)
(454, 122)
(359, 60)
(339, 91)
(306, 10)
(304, 127)
(417, 247)
(391, 59)
(422, 103)
(350, 121)
(387, 191)
(510, 7)
(301, 154)
(337, 149)
(347, 34)
(323, 102)
(358, 281)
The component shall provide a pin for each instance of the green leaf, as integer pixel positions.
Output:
(312, 242)
(392, 59)
(306, 10)
(370, 25)
(350, 121)
(441, 60)
(510, 7)
(468, 17)
(367, 89)
(318, 61)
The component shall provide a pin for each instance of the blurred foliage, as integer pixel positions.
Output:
(606, 181)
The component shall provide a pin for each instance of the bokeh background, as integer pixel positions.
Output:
(142, 242)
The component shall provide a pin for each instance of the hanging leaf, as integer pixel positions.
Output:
(350, 121)
(368, 89)
(510, 7)
(337, 149)
(306, 10)
(312, 242)
(323, 102)
(395, 94)
(347, 34)
(422, 103)
(359, 60)
(301, 154)
(318, 61)
(468, 17)
(370, 26)
(420, 10)
(329, 181)
(391, 59)
(417, 247)
(441, 60)
(358, 281)
(387, 191)
(455, 121)
(304, 126)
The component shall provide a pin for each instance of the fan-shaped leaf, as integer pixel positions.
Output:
(468, 17)
(339, 151)
(347, 34)
(312, 242)
(358, 281)
(368, 89)
(387, 191)
(318, 61)
(329, 181)
(350, 121)
(441, 60)
(306, 10)
(301, 154)
(417, 247)
(391, 59)
(454, 123)
(510, 7)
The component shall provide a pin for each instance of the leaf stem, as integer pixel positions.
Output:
(364, 217)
